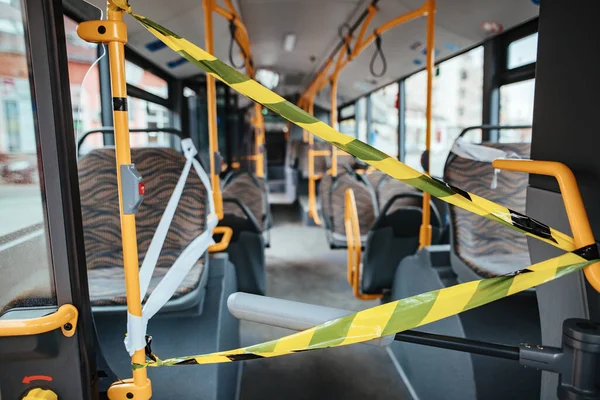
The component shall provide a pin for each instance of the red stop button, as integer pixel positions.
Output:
(141, 188)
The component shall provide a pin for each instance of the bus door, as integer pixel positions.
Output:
(46, 332)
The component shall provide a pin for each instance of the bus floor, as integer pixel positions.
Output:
(301, 267)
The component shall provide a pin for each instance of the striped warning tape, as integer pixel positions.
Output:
(399, 315)
(396, 316)
(385, 163)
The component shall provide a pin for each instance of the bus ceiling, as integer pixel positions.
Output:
(295, 40)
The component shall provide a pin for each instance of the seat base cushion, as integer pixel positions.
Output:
(493, 265)
(107, 285)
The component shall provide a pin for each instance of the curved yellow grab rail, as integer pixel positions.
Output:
(350, 49)
(578, 219)
(313, 212)
(223, 244)
(354, 246)
(64, 318)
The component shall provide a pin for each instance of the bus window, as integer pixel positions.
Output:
(383, 130)
(85, 84)
(516, 108)
(145, 80)
(522, 51)
(347, 120)
(457, 104)
(361, 118)
(26, 275)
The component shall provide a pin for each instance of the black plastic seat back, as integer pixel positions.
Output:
(394, 236)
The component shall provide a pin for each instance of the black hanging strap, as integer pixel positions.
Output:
(344, 32)
(232, 30)
(378, 51)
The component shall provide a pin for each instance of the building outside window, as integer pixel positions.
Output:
(516, 108)
(456, 104)
(383, 130)
(22, 230)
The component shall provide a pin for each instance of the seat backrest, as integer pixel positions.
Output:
(161, 169)
(251, 191)
(374, 179)
(486, 247)
(332, 197)
(321, 163)
(389, 187)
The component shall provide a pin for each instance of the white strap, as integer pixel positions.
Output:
(136, 333)
(177, 273)
(477, 152)
(136, 326)
(161, 232)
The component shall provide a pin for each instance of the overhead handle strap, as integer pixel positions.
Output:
(378, 52)
(232, 31)
(136, 326)
(346, 36)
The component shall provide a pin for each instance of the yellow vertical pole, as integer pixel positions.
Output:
(334, 117)
(211, 98)
(312, 178)
(425, 231)
(259, 140)
(113, 32)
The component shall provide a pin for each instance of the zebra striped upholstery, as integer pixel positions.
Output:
(252, 192)
(321, 163)
(389, 187)
(161, 169)
(487, 248)
(374, 179)
(331, 195)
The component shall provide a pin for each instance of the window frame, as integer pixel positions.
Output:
(505, 75)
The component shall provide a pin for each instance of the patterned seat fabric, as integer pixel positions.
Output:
(161, 169)
(321, 163)
(486, 247)
(389, 187)
(332, 192)
(252, 192)
(374, 179)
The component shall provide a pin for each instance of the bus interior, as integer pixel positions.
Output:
(251, 199)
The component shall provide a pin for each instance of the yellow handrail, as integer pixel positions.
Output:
(211, 98)
(313, 212)
(243, 39)
(578, 219)
(324, 76)
(65, 318)
(354, 244)
(223, 244)
(114, 33)
(425, 231)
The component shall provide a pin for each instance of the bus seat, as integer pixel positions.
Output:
(374, 179)
(321, 163)
(482, 248)
(331, 196)
(393, 236)
(252, 191)
(161, 169)
(389, 187)
(479, 248)
(246, 211)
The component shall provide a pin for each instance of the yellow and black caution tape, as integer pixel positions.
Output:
(399, 315)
